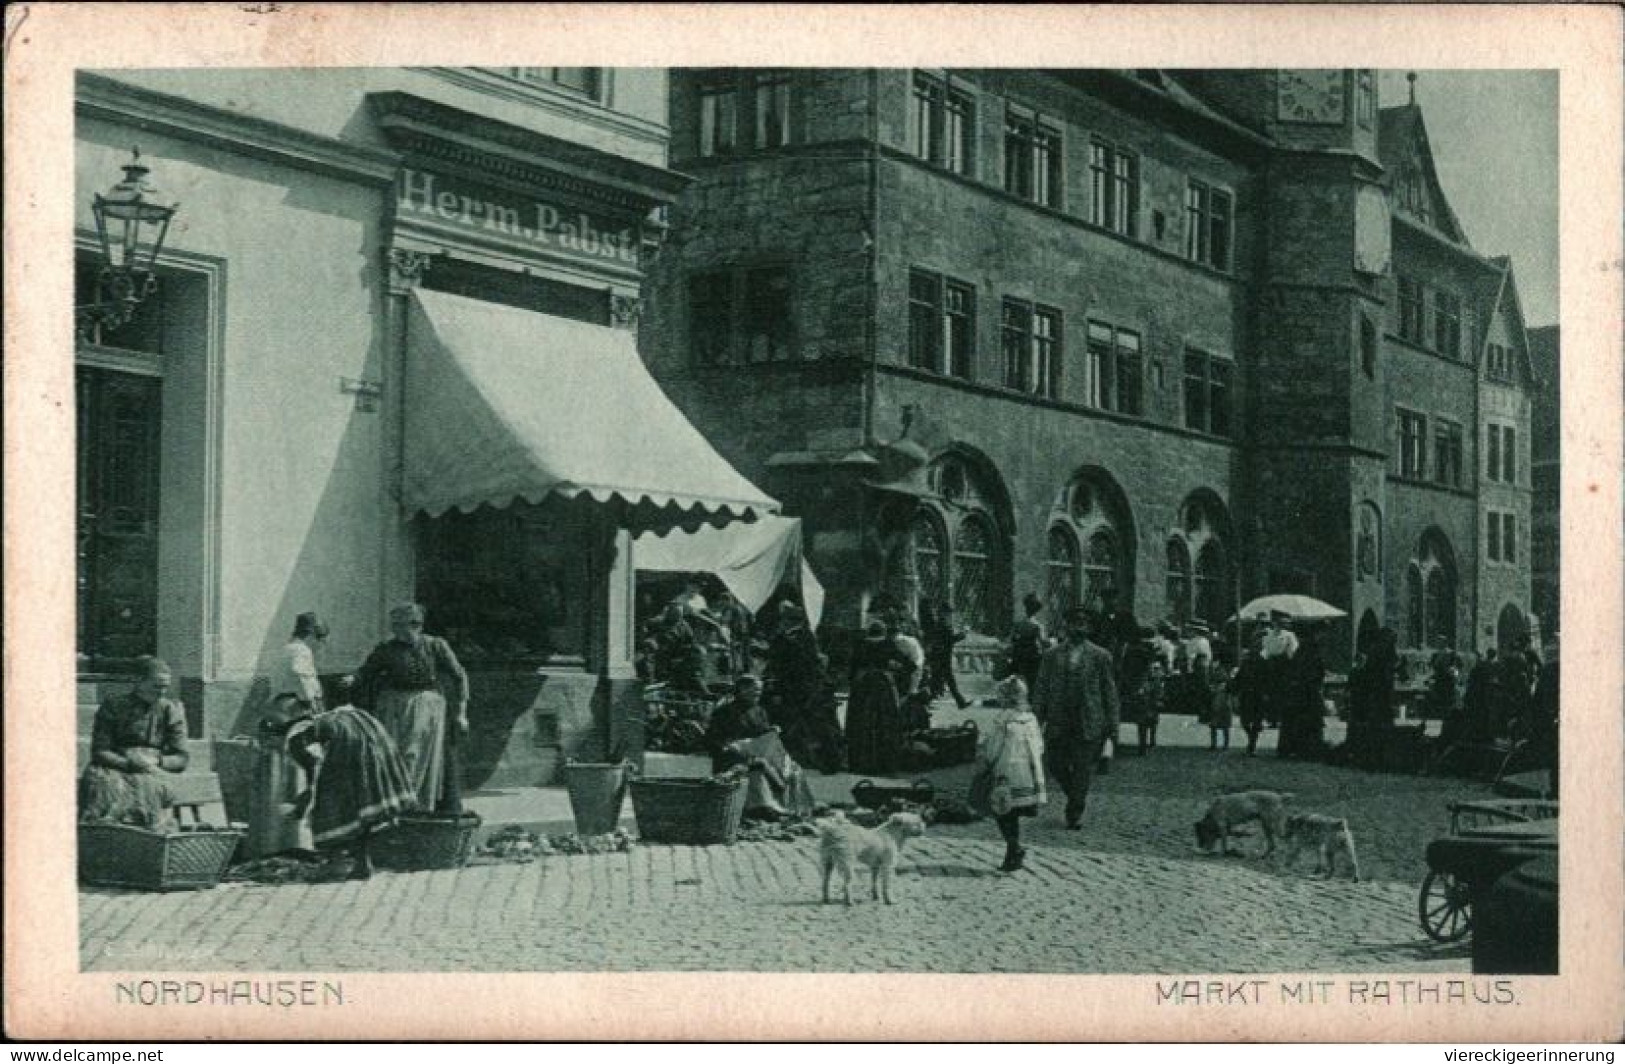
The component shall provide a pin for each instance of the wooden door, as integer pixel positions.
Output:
(117, 463)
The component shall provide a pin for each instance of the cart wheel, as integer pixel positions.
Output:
(1444, 905)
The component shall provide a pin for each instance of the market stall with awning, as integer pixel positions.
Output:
(504, 404)
(752, 560)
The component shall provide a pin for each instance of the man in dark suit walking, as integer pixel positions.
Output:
(1076, 699)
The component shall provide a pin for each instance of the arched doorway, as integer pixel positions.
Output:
(1511, 629)
(1432, 593)
(1367, 632)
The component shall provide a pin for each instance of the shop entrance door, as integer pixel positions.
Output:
(119, 414)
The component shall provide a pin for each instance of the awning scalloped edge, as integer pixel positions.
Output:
(677, 505)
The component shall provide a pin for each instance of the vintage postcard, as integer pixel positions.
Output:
(814, 522)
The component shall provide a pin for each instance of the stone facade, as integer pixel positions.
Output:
(1249, 261)
(1546, 479)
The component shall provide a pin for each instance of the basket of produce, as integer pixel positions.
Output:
(187, 858)
(872, 795)
(941, 747)
(597, 794)
(674, 721)
(690, 812)
(423, 841)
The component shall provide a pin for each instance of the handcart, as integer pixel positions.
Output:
(1487, 839)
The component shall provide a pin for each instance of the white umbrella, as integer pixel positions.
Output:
(1298, 607)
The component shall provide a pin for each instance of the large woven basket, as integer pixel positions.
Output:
(119, 855)
(426, 841)
(688, 812)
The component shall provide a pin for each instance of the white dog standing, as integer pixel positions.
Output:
(843, 844)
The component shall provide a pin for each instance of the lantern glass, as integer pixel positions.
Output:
(130, 207)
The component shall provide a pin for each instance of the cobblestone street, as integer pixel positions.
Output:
(1127, 894)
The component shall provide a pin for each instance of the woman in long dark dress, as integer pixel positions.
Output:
(359, 782)
(874, 716)
(939, 633)
(137, 739)
(798, 696)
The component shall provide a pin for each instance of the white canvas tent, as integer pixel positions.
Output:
(751, 560)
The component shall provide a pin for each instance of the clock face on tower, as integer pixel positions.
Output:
(1309, 96)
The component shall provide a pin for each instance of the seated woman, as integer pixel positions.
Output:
(137, 738)
(360, 783)
(739, 734)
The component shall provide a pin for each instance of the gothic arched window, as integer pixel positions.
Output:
(1179, 581)
(1061, 567)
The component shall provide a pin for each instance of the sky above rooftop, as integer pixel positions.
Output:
(1494, 140)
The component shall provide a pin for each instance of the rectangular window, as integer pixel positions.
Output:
(1032, 159)
(719, 116)
(1112, 369)
(942, 325)
(1447, 324)
(1100, 368)
(1016, 326)
(1448, 446)
(772, 109)
(1492, 452)
(1412, 445)
(1500, 362)
(765, 317)
(1509, 538)
(585, 80)
(941, 128)
(1207, 225)
(1410, 310)
(1365, 98)
(1493, 532)
(492, 610)
(1047, 352)
(924, 336)
(1509, 454)
(709, 325)
(1207, 393)
(740, 317)
(1032, 339)
(744, 110)
(1115, 187)
(1128, 372)
(959, 329)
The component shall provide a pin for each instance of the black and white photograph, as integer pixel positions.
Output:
(959, 518)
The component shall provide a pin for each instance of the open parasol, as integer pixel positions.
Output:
(1298, 607)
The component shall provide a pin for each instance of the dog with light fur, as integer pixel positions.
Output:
(842, 845)
(1228, 811)
(1329, 836)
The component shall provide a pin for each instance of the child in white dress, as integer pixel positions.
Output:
(1008, 783)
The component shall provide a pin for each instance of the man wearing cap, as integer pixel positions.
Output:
(296, 693)
(1076, 699)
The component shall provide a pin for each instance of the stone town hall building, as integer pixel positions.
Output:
(1193, 336)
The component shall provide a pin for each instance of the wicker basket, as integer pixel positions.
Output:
(426, 841)
(118, 855)
(688, 812)
(597, 794)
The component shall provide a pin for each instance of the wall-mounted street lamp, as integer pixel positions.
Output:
(131, 222)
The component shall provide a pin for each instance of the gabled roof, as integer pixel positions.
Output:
(1506, 294)
(1402, 138)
